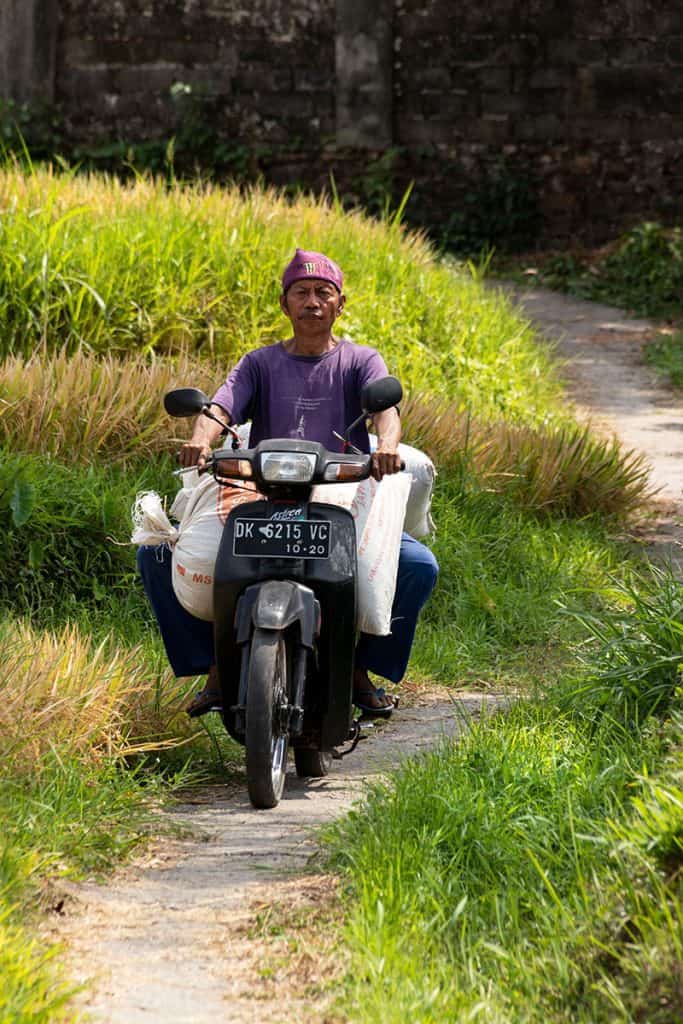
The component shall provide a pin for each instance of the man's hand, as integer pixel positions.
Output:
(193, 454)
(385, 462)
(196, 451)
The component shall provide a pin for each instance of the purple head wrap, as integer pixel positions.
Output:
(311, 265)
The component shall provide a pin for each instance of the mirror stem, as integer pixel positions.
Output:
(227, 429)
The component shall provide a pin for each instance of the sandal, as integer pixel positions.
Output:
(203, 702)
(368, 711)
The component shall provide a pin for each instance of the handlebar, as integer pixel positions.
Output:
(206, 468)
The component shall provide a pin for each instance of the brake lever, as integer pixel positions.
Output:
(188, 469)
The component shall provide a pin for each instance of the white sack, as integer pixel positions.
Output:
(205, 511)
(418, 522)
(190, 479)
(378, 510)
(381, 511)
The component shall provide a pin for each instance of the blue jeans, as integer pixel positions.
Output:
(189, 641)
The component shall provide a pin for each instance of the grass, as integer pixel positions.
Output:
(66, 530)
(95, 264)
(82, 407)
(112, 293)
(560, 469)
(532, 870)
(502, 575)
(86, 408)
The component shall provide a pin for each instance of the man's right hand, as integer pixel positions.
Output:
(194, 454)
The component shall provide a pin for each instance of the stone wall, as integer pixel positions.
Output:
(266, 66)
(585, 94)
(583, 99)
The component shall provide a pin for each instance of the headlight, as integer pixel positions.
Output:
(343, 471)
(288, 467)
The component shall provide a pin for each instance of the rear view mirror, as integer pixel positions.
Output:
(381, 394)
(185, 402)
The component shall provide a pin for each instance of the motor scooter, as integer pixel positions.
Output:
(285, 597)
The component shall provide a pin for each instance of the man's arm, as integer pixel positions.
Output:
(386, 458)
(195, 451)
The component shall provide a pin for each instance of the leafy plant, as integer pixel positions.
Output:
(641, 272)
(634, 666)
(666, 355)
(33, 130)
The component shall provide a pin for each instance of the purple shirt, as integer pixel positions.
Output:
(305, 397)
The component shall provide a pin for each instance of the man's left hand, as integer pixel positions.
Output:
(385, 462)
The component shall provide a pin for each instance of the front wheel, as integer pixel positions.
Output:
(266, 736)
(312, 764)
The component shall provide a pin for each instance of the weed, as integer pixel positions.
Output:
(635, 664)
(666, 355)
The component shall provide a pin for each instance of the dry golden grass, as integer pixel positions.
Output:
(79, 406)
(561, 469)
(82, 405)
(60, 690)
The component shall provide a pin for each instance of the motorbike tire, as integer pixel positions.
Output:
(312, 764)
(266, 739)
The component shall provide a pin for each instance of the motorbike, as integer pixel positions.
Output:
(285, 597)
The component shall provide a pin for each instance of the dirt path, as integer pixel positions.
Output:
(168, 940)
(610, 385)
(175, 938)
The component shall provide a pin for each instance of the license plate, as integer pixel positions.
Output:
(301, 538)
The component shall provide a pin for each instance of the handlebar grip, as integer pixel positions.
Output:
(403, 465)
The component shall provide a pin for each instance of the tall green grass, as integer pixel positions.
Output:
(66, 532)
(633, 666)
(502, 575)
(142, 267)
(532, 870)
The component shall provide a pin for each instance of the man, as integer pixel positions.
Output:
(308, 386)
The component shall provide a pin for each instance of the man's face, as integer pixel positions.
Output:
(312, 303)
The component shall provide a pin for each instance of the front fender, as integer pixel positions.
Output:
(278, 604)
